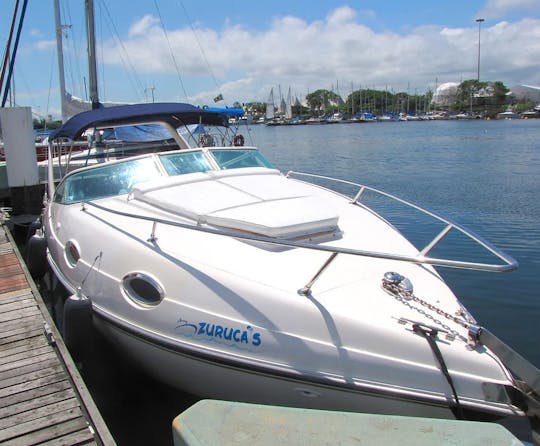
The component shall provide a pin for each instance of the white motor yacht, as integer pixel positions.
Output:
(223, 276)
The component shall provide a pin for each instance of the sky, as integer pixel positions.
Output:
(194, 50)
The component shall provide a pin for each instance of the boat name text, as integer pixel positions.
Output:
(219, 332)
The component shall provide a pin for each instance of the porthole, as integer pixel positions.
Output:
(142, 289)
(72, 253)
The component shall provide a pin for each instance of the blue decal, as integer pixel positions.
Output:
(219, 333)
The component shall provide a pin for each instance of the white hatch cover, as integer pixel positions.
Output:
(255, 200)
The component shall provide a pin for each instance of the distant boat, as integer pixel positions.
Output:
(270, 107)
(288, 106)
(315, 120)
(335, 118)
(508, 114)
(386, 118)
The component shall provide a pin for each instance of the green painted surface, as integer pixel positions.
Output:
(211, 422)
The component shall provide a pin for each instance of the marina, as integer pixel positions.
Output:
(279, 147)
(188, 272)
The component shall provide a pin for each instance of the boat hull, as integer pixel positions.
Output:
(200, 374)
(226, 318)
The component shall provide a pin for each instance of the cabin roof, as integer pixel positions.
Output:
(174, 113)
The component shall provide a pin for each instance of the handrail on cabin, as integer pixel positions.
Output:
(422, 258)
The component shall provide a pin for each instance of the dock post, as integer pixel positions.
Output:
(21, 161)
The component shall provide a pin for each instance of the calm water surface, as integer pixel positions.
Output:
(483, 174)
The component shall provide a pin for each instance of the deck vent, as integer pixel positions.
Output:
(142, 289)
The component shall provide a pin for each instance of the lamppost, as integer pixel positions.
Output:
(479, 24)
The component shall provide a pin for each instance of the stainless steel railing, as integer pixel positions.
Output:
(508, 263)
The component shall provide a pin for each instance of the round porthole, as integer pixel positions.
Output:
(72, 253)
(142, 289)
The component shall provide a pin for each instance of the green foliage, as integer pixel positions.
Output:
(486, 98)
(323, 101)
(379, 102)
(255, 108)
(42, 124)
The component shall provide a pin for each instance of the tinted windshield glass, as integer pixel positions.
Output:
(185, 162)
(235, 158)
(105, 181)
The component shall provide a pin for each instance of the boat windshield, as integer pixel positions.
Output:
(179, 163)
(105, 181)
(236, 158)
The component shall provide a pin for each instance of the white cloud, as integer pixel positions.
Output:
(141, 26)
(44, 45)
(494, 9)
(319, 54)
(36, 33)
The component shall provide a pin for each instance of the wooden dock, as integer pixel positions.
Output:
(43, 399)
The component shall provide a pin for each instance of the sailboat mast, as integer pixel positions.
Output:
(60, 53)
(91, 36)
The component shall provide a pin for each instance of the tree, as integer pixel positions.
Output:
(323, 101)
(481, 97)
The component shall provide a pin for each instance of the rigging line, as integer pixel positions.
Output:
(16, 45)
(50, 87)
(200, 46)
(8, 45)
(73, 48)
(170, 50)
(128, 67)
(69, 45)
(101, 65)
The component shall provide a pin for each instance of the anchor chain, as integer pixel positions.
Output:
(401, 289)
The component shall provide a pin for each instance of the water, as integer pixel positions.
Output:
(483, 174)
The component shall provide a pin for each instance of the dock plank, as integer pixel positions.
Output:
(29, 354)
(4, 366)
(9, 328)
(55, 432)
(35, 366)
(48, 421)
(34, 393)
(39, 412)
(31, 376)
(20, 334)
(13, 295)
(19, 303)
(37, 402)
(84, 436)
(18, 314)
(32, 384)
(22, 345)
(43, 399)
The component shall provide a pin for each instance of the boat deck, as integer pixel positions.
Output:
(43, 399)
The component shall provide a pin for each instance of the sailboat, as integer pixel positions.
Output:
(270, 108)
(288, 106)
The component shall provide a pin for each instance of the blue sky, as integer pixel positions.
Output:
(187, 50)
